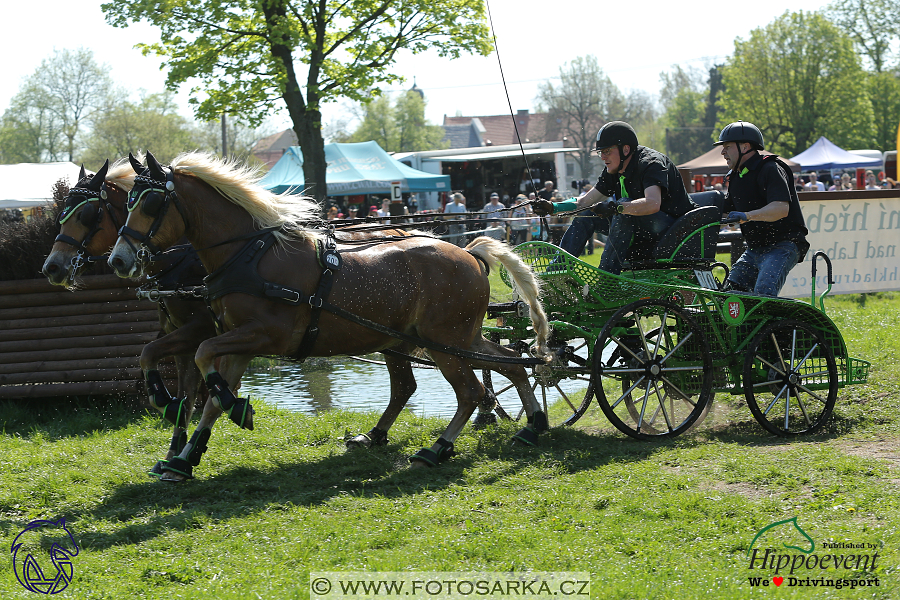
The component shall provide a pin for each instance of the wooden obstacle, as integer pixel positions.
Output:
(54, 342)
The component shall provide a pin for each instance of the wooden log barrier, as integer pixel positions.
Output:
(56, 342)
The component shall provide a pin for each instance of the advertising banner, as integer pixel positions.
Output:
(860, 236)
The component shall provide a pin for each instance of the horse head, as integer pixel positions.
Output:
(38, 539)
(153, 192)
(86, 222)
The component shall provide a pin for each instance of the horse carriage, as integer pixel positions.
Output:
(656, 343)
(663, 332)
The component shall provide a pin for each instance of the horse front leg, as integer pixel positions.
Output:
(403, 386)
(180, 342)
(248, 340)
(469, 391)
(181, 467)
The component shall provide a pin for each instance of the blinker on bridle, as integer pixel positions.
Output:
(154, 201)
(90, 217)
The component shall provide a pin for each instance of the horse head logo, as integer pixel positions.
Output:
(786, 530)
(41, 538)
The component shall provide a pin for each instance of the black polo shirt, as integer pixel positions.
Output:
(759, 182)
(649, 167)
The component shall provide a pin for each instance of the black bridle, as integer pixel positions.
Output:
(91, 216)
(154, 198)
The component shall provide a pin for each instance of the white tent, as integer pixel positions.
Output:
(27, 185)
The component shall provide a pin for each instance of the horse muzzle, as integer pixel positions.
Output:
(123, 261)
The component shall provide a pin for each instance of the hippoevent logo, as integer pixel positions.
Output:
(797, 564)
(30, 550)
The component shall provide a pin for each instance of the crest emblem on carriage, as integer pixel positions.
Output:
(733, 311)
(30, 550)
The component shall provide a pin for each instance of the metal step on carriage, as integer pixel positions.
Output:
(656, 343)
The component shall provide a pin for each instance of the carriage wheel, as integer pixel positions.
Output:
(545, 387)
(790, 378)
(660, 356)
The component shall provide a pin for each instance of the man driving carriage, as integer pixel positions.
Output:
(763, 200)
(646, 195)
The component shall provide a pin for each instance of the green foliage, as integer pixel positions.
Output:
(873, 26)
(797, 79)
(47, 117)
(400, 127)
(150, 124)
(247, 56)
(884, 92)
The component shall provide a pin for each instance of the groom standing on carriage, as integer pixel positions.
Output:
(646, 195)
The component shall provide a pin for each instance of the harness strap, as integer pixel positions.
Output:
(330, 259)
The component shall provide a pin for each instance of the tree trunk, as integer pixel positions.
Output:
(309, 133)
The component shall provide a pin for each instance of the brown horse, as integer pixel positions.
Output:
(89, 225)
(266, 277)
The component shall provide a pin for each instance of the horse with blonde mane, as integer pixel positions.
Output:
(272, 270)
(89, 226)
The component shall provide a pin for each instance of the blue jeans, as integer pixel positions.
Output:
(764, 270)
(622, 231)
(584, 225)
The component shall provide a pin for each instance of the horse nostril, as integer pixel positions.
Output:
(117, 263)
(51, 269)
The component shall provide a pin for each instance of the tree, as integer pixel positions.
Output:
(247, 55)
(150, 124)
(584, 99)
(57, 101)
(884, 92)
(685, 97)
(872, 24)
(398, 127)
(797, 79)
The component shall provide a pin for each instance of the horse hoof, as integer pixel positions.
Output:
(483, 419)
(170, 477)
(375, 437)
(525, 436)
(157, 469)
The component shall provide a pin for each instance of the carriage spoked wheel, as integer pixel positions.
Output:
(790, 378)
(660, 362)
(575, 356)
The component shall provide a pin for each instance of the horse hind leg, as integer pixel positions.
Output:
(403, 386)
(468, 393)
(536, 419)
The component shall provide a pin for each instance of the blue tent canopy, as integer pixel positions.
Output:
(825, 155)
(362, 168)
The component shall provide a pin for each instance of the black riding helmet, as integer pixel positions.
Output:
(617, 133)
(741, 131)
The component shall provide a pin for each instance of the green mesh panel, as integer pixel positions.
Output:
(583, 297)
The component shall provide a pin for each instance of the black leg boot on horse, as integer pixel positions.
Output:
(238, 410)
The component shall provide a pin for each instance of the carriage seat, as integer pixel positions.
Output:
(692, 236)
(713, 198)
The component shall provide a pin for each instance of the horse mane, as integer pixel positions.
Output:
(121, 174)
(239, 183)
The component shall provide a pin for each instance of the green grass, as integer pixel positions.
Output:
(647, 520)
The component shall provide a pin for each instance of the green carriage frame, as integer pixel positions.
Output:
(672, 343)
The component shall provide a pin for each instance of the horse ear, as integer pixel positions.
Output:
(135, 164)
(82, 174)
(98, 178)
(156, 170)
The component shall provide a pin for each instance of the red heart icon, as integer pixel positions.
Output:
(777, 580)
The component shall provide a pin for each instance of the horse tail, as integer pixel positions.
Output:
(524, 283)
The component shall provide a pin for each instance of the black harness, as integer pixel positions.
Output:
(240, 275)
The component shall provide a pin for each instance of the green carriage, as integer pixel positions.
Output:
(665, 339)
